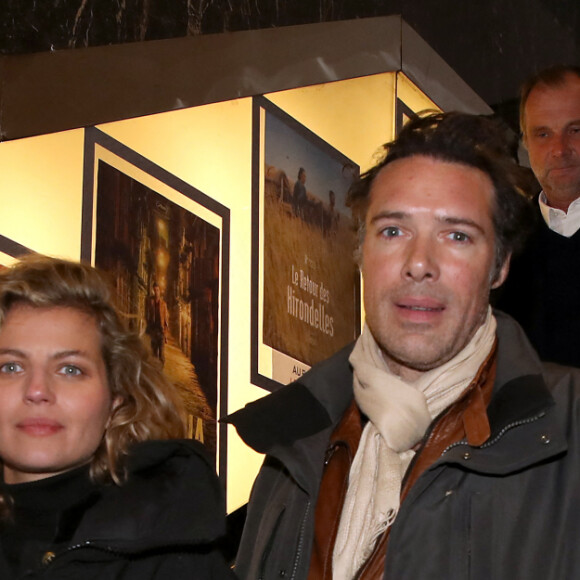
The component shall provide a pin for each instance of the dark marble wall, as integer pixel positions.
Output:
(492, 45)
(39, 25)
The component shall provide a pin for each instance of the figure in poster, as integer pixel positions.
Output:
(330, 216)
(157, 323)
(299, 197)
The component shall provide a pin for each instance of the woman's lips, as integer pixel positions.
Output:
(39, 426)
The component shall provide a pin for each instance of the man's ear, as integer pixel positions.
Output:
(502, 274)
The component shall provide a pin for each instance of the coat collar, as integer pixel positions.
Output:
(520, 397)
(294, 424)
(168, 482)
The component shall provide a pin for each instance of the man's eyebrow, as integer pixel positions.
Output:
(536, 128)
(397, 215)
(449, 220)
(460, 221)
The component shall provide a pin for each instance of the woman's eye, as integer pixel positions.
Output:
(10, 367)
(71, 371)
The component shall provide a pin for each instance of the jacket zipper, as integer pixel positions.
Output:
(489, 443)
(424, 442)
(503, 431)
(88, 544)
(270, 544)
(300, 541)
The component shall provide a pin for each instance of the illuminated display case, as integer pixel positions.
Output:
(186, 108)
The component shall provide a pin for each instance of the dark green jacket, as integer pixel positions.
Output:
(507, 510)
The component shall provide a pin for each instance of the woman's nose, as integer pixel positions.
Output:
(38, 388)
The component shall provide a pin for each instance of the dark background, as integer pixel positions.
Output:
(493, 45)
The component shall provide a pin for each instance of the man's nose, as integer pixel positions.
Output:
(421, 261)
(560, 144)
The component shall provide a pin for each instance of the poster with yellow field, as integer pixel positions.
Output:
(306, 280)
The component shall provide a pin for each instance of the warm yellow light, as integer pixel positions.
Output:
(209, 148)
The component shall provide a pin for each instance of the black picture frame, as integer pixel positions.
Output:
(12, 248)
(98, 146)
(321, 216)
(402, 111)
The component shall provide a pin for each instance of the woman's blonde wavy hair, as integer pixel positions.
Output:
(148, 406)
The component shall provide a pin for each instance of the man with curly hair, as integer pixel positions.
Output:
(438, 445)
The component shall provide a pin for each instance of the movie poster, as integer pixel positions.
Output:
(164, 253)
(309, 283)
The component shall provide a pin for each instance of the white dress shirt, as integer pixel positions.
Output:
(563, 223)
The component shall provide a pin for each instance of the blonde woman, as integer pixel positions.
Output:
(96, 482)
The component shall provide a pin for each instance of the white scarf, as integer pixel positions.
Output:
(399, 414)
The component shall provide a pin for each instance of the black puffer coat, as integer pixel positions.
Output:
(163, 524)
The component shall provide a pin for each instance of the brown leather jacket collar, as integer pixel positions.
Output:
(467, 418)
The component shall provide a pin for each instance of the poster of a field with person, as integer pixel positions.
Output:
(308, 285)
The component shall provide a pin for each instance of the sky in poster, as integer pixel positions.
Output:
(288, 150)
